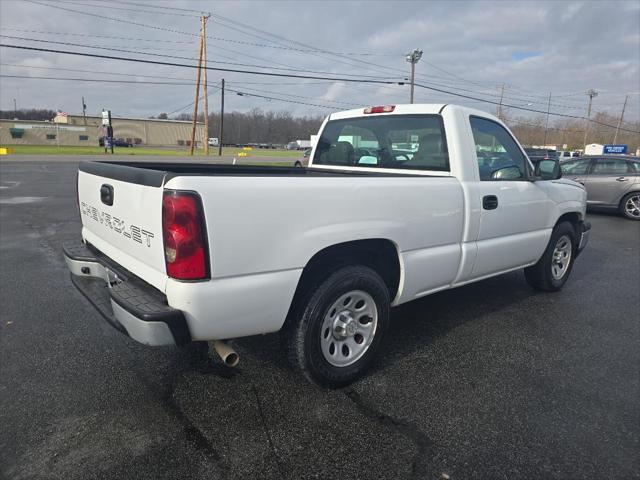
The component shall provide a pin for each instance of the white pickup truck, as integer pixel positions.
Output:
(398, 202)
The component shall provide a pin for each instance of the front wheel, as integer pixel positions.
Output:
(340, 327)
(630, 206)
(553, 269)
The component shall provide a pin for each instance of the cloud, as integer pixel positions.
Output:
(469, 47)
(334, 92)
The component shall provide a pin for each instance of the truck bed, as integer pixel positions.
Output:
(153, 174)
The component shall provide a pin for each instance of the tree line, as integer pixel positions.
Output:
(567, 131)
(28, 114)
(258, 126)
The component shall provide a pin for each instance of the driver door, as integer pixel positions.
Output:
(514, 219)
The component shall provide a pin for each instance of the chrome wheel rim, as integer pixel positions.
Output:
(561, 257)
(632, 206)
(348, 328)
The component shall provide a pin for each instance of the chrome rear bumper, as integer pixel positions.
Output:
(127, 303)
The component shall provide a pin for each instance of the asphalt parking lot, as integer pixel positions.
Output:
(488, 381)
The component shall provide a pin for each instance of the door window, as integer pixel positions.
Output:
(610, 166)
(499, 156)
(576, 167)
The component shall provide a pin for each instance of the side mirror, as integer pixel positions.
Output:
(511, 172)
(548, 169)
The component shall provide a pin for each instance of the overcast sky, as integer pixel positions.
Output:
(469, 48)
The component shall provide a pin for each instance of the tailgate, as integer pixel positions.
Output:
(121, 212)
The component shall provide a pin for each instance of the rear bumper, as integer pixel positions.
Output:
(127, 303)
(584, 231)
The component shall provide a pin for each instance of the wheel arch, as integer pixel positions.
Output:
(626, 194)
(380, 254)
(574, 218)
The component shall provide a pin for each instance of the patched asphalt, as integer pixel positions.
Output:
(489, 381)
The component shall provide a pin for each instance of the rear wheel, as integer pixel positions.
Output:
(340, 326)
(630, 206)
(554, 267)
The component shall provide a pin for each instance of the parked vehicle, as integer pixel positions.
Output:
(304, 160)
(396, 204)
(566, 155)
(612, 182)
(117, 142)
(540, 153)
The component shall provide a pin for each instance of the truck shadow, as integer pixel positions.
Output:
(416, 324)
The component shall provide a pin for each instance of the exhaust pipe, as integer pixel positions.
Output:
(228, 355)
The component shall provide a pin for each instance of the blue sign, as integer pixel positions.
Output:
(614, 149)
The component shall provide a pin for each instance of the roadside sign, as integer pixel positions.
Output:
(614, 149)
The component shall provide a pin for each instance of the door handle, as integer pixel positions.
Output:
(489, 202)
(106, 194)
(622, 179)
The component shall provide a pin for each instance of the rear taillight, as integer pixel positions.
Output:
(183, 229)
(380, 109)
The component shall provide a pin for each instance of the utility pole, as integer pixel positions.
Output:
(546, 123)
(590, 93)
(15, 109)
(624, 105)
(84, 111)
(195, 103)
(221, 120)
(499, 107)
(204, 85)
(413, 57)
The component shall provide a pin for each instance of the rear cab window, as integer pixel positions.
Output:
(406, 142)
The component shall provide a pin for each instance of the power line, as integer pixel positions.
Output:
(111, 7)
(157, 6)
(352, 80)
(520, 108)
(219, 69)
(96, 80)
(102, 72)
(139, 24)
(299, 96)
(114, 49)
(155, 27)
(222, 39)
(155, 40)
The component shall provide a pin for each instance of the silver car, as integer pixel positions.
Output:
(611, 181)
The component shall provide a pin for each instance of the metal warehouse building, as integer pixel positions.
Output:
(76, 130)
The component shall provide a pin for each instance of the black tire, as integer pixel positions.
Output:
(540, 275)
(623, 210)
(304, 330)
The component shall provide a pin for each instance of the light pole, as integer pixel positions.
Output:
(413, 57)
(590, 93)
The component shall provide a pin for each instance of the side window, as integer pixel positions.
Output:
(610, 166)
(576, 167)
(499, 157)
